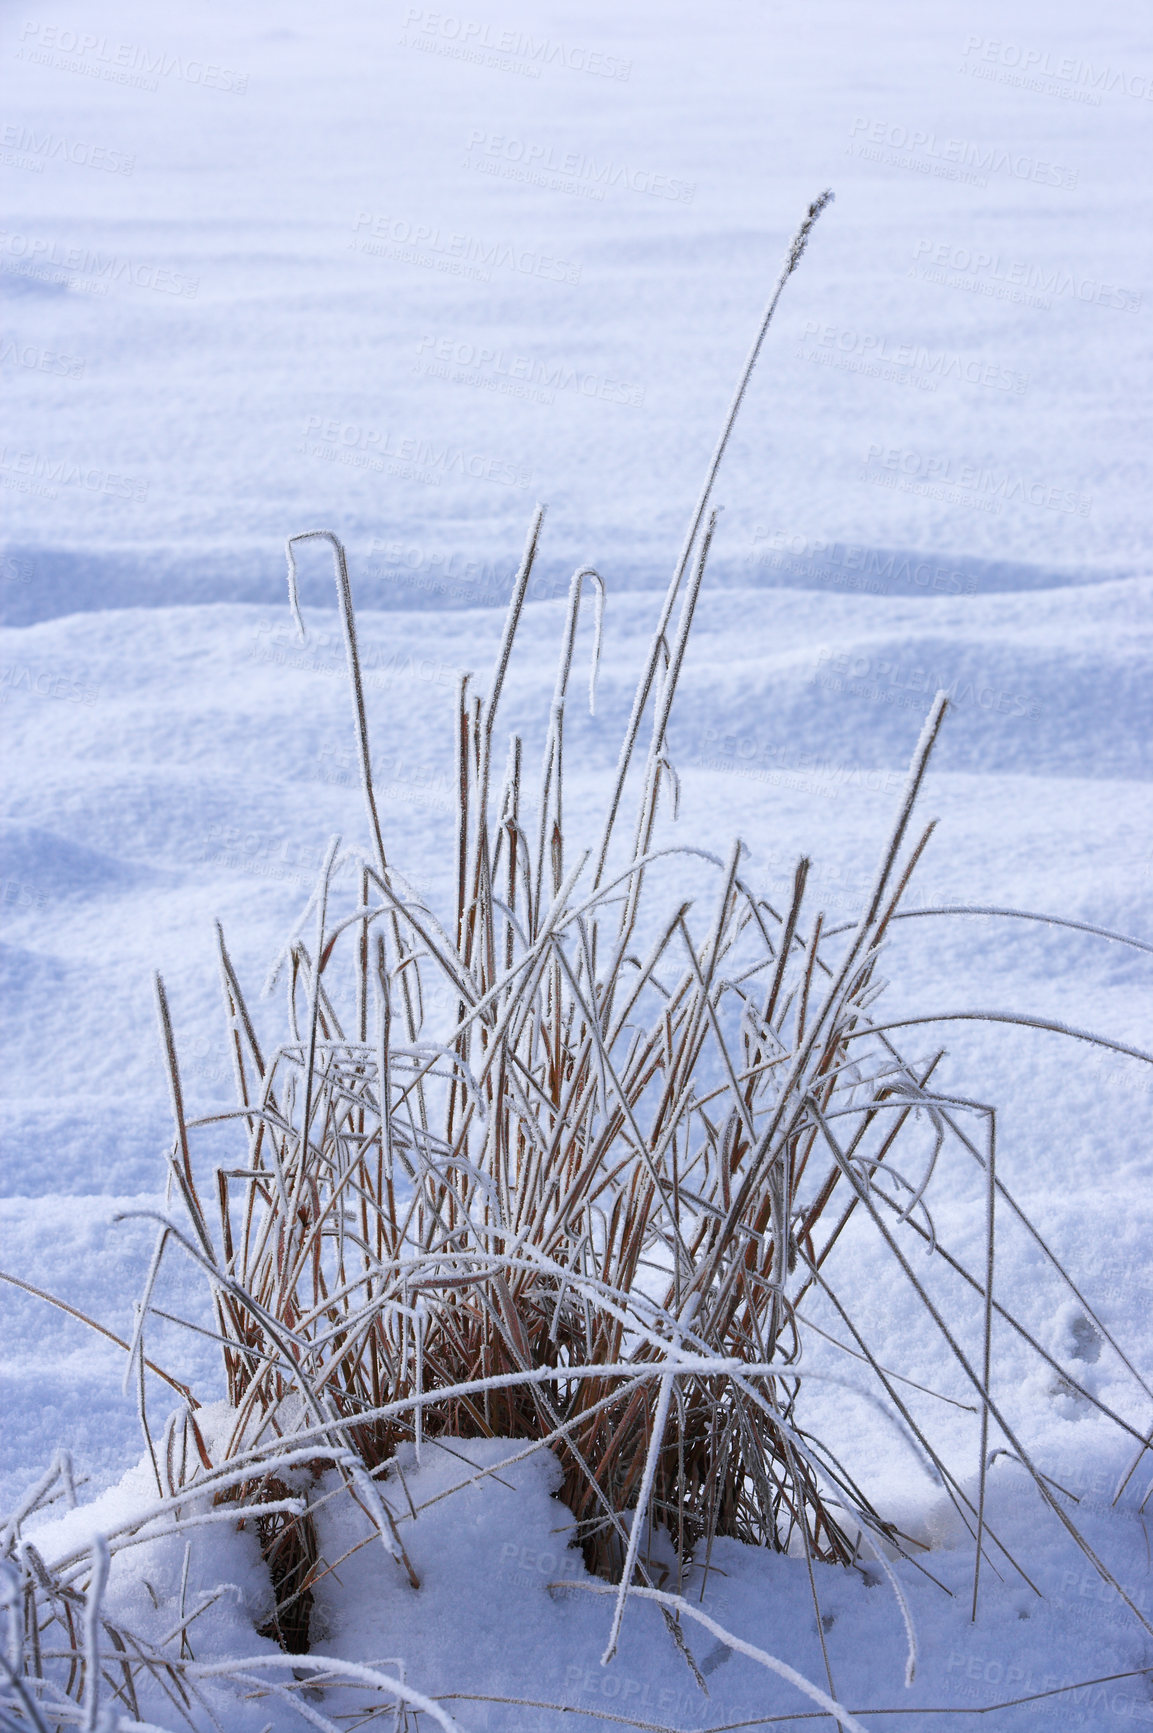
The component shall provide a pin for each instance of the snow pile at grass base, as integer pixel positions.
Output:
(505, 1635)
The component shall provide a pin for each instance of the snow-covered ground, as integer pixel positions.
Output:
(401, 273)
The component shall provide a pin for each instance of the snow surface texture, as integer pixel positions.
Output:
(367, 270)
(354, 269)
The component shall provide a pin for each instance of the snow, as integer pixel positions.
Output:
(349, 269)
(252, 364)
(505, 1610)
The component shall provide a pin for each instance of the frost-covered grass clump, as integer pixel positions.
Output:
(581, 1166)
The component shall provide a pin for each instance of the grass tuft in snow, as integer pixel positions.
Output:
(577, 1164)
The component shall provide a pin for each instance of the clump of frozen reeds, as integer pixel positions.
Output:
(584, 1206)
